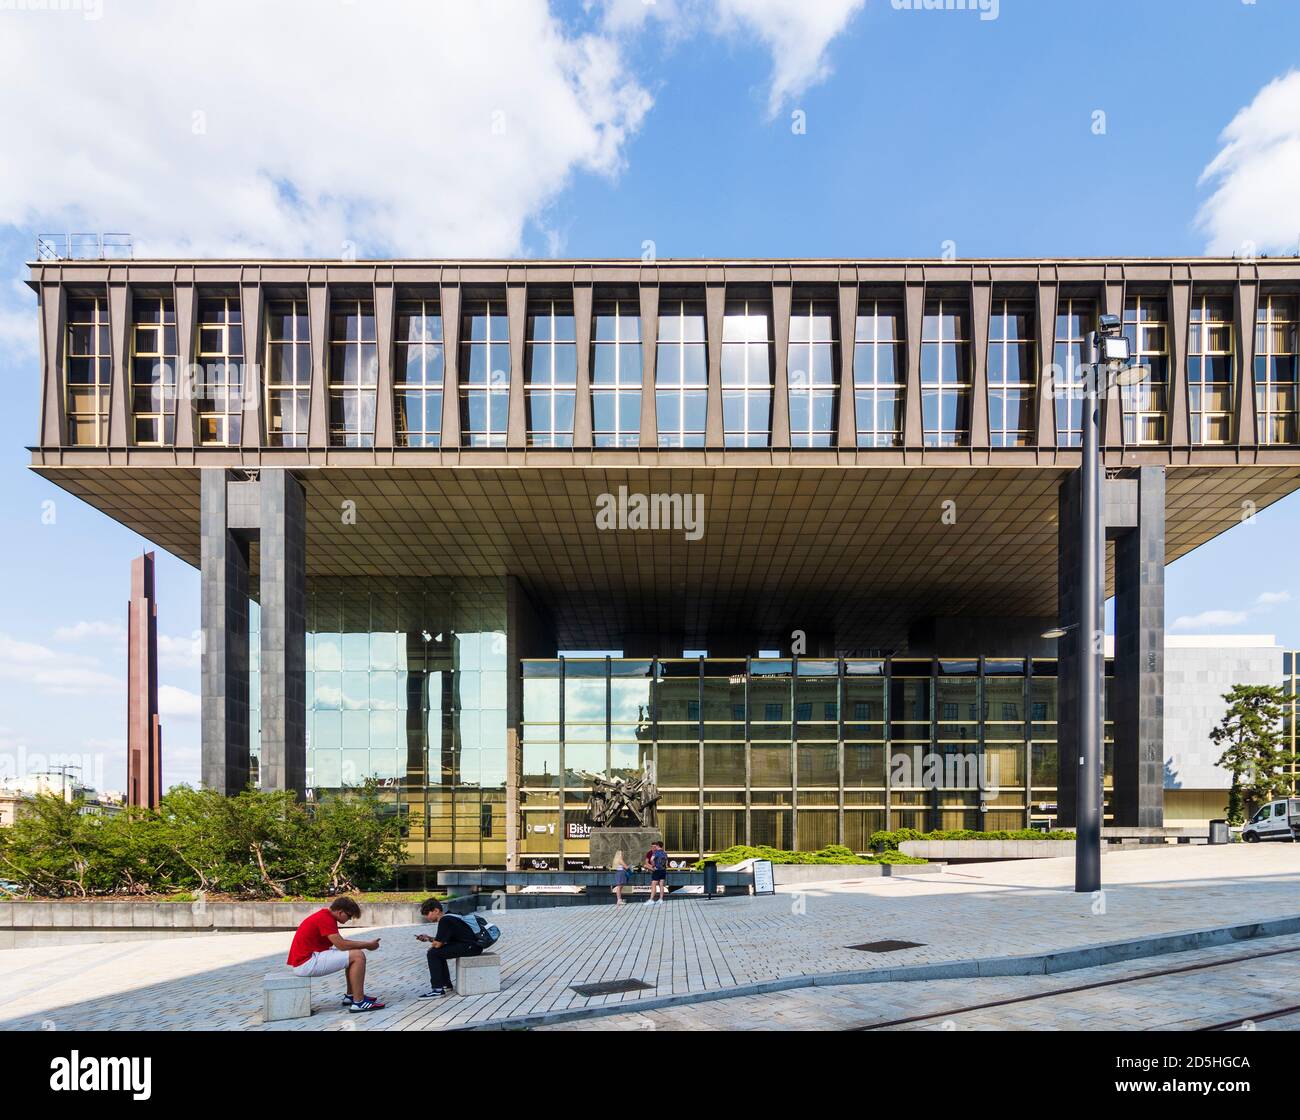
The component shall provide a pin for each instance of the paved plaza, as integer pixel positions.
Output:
(1188, 991)
(697, 949)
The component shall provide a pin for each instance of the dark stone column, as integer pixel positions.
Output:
(225, 641)
(1138, 798)
(283, 587)
(1069, 554)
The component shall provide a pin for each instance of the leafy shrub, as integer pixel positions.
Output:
(259, 844)
(889, 841)
(830, 854)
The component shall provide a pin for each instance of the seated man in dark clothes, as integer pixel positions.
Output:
(453, 938)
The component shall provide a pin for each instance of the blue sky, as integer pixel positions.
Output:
(619, 123)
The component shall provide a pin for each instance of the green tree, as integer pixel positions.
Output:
(254, 843)
(51, 849)
(355, 842)
(1250, 734)
(260, 844)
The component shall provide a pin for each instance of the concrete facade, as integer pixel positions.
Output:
(1198, 671)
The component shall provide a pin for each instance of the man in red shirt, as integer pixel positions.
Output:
(318, 949)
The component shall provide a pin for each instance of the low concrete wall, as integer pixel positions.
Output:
(987, 849)
(788, 874)
(81, 923)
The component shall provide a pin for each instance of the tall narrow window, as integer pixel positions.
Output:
(1011, 373)
(1146, 404)
(153, 371)
(1211, 369)
(87, 372)
(878, 366)
(681, 375)
(1277, 369)
(221, 364)
(945, 373)
(810, 372)
(552, 374)
(418, 375)
(288, 373)
(485, 374)
(616, 375)
(746, 374)
(1074, 321)
(354, 373)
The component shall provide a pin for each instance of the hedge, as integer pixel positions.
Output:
(831, 854)
(888, 841)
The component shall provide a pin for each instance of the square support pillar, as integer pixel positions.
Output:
(224, 614)
(1138, 798)
(283, 586)
(1069, 557)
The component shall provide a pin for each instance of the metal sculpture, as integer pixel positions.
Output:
(621, 802)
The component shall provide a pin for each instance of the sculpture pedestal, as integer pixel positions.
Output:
(633, 842)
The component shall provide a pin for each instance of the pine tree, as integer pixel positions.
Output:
(1251, 735)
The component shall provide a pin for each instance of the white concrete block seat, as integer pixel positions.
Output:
(476, 976)
(285, 996)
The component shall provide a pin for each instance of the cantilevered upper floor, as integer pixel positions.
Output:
(289, 363)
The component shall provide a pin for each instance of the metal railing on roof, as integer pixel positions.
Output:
(83, 246)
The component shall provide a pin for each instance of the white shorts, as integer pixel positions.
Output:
(323, 963)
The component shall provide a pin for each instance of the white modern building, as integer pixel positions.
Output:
(1199, 669)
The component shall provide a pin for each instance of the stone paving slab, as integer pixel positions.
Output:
(686, 948)
(1183, 1001)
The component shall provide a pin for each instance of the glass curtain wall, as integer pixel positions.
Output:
(793, 753)
(406, 685)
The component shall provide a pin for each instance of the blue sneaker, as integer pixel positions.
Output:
(367, 1004)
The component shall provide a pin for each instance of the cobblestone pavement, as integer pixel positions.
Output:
(687, 946)
(1232, 988)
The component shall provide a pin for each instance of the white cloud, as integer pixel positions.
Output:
(174, 652)
(180, 653)
(225, 127)
(1209, 620)
(91, 630)
(177, 703)
(796, 32)
(1272, 598)
(1255, 201)
(51, 671)
(1225, 618)
(18, 321)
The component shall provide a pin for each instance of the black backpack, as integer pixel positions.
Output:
(485, 934)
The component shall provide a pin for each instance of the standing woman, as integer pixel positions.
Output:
(620, 877)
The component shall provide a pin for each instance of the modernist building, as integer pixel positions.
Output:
(845, 481)
(1199, 670)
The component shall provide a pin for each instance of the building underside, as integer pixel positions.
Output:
(855, 557)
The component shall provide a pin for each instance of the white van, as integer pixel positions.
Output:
(1278, 820)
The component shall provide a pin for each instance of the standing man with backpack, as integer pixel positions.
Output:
(657, 863)
(455, 936)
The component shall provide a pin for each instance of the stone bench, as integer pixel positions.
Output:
(476, 976)
(285, 996)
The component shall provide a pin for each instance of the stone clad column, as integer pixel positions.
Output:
(1135, 522)
(224, 617)
(1138, 799)
(283, 587)
(1069, 556)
